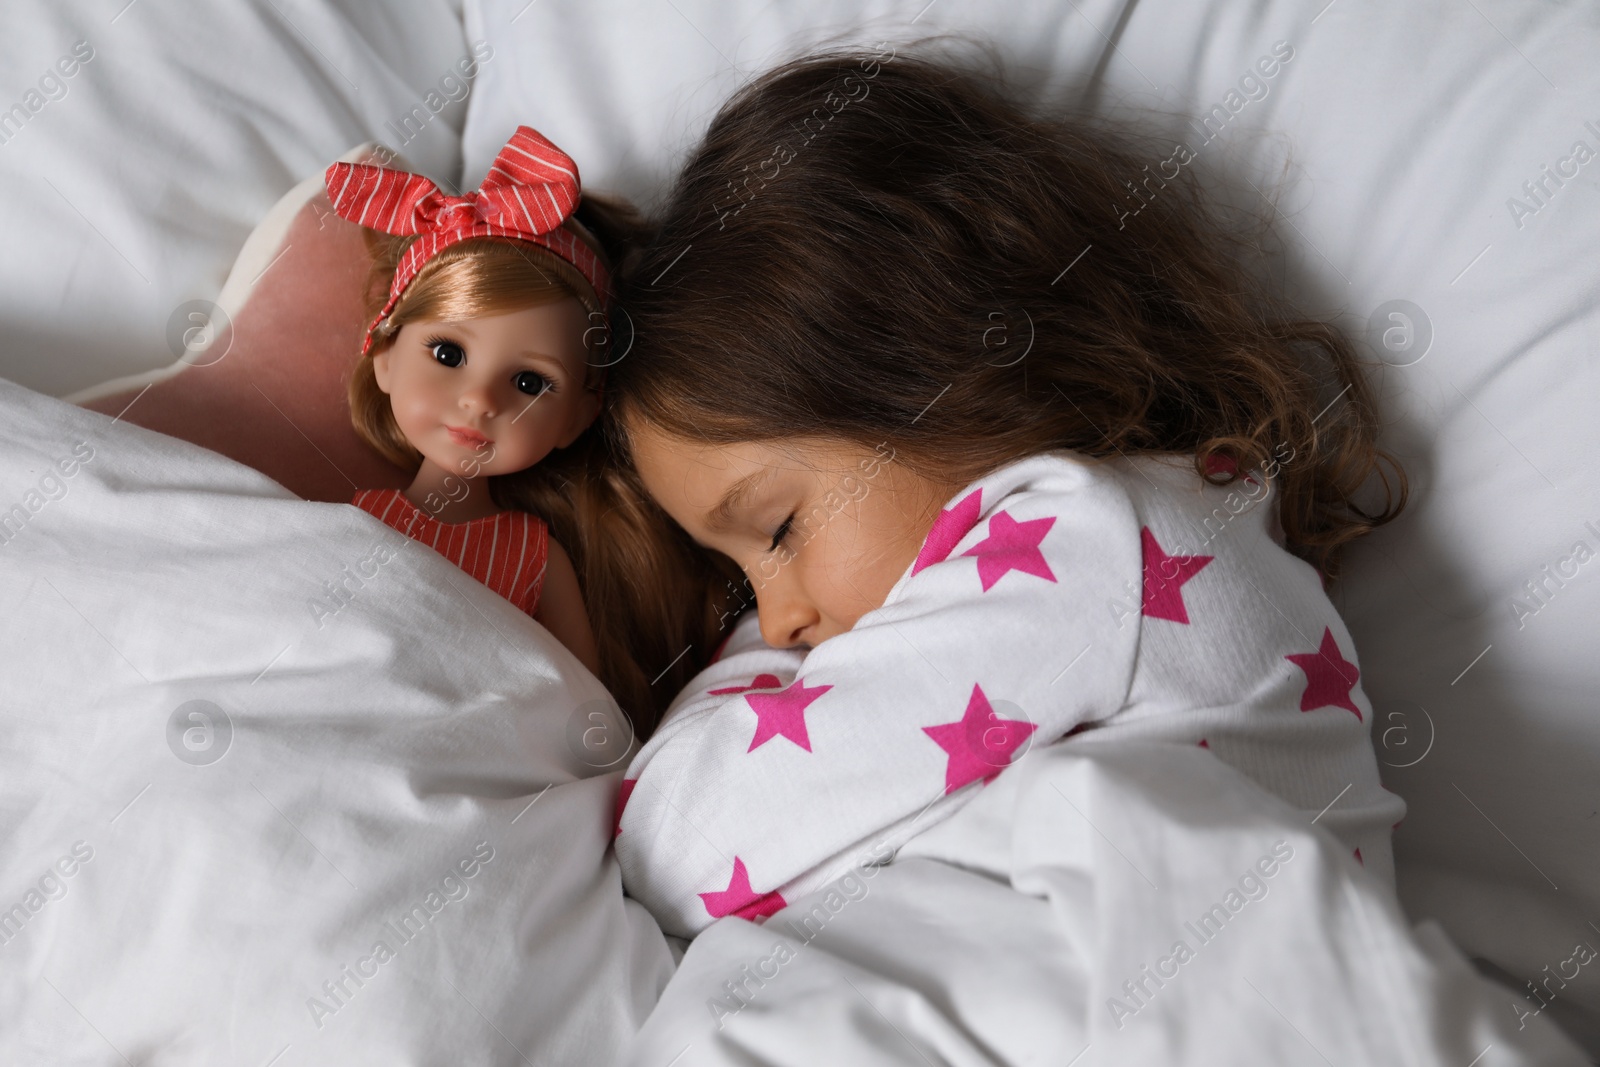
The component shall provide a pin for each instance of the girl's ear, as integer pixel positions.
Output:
(585, 411)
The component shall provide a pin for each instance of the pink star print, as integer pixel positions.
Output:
(783, 713)
(739, 899)
(980, 744)
(623, 793)
(1217, 463)
(761, 681)
(1012, 546)
(948, 530)
(1329, 677)
(1164, 576)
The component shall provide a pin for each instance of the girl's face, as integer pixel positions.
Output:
(821, 528)
(490, 395)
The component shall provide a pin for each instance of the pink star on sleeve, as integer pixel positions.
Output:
(948, 530)
(1164, 576)
(1329, 677)
(1218, 463)
(761, 681)
(739, 899)
(783, 713)
(1012, 546)
(623, 793)
(980, 744)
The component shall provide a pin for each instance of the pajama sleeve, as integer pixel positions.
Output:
(777, 770)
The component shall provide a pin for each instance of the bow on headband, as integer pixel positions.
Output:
(530, 191)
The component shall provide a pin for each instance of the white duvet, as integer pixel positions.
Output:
(1109, 904)
(282, 787)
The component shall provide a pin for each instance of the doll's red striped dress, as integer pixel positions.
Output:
(506, 552)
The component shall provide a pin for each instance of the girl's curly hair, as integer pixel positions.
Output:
(859, 230)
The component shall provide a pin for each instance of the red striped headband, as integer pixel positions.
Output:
(532, 188)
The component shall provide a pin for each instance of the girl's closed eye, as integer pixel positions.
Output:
(783, 531)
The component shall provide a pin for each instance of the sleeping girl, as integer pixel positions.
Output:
(1002, 468)
(482, 371)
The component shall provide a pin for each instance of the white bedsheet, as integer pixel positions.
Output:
(1035, 927)
(224, 787)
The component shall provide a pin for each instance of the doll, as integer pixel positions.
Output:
(484, 359)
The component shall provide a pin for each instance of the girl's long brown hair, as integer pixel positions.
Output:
(648, 591)
(865, 241)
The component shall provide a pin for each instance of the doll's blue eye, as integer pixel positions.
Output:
(449, 353)
(531, 383)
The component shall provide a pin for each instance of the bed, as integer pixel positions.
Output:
(239, 829)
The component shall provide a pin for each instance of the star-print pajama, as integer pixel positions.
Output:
(1057, 596)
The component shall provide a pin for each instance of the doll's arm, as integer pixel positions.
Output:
(561, 609)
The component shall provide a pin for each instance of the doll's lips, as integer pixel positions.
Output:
(465, 437)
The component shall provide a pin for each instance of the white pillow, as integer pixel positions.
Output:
(1410, 131)
(128, 186)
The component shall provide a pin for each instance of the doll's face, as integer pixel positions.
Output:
(491, 395)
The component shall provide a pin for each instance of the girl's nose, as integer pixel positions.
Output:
(786, 618)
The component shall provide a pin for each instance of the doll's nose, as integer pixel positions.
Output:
(479, 399)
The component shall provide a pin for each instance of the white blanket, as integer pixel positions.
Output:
(281, 785)
(1116, 903)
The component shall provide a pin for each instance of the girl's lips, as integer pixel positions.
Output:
(465, 437)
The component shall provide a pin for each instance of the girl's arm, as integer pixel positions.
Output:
(776, 768)
(561, 608)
